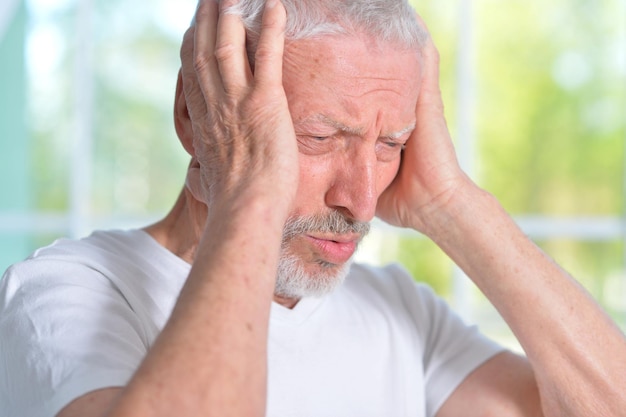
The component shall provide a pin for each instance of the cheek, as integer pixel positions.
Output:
(313, 183)
(386, 174)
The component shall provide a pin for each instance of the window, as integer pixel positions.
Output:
(535, 95)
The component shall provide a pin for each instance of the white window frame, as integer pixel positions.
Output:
(78, 221)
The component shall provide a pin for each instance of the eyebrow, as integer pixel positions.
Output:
(322, 118)
(400, 133)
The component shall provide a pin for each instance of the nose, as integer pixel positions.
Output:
(354, 191)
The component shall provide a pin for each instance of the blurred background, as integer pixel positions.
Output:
(535, 95)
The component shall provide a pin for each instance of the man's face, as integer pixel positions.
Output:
(353, 107)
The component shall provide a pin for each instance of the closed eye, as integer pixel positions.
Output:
(395, 145)
(318, 144)
(389, 150)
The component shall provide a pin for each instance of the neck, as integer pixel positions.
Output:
(181, 229)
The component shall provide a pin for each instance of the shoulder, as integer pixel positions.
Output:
(64, 262)
(101, 248)
(113, 270)
(66, 276)
(103, 258)
(98, 248)
(76, 310)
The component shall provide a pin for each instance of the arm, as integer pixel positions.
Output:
(578, 356)
(213, 347)
(503, 386)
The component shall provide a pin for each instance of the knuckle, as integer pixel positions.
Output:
(186, 48)
(224, 51)
(436, 54)
(189, 34)
(432, 50)
(265, 53)
(435, 60)
(272, 24)
(202, 61)
(251, 105)
(203, 11)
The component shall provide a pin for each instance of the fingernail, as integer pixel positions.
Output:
(271, 3)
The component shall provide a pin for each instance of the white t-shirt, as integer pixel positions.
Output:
(80, 315)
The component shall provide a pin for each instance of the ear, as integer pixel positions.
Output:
(182, 121)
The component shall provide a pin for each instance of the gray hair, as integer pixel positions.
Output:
(387, 21)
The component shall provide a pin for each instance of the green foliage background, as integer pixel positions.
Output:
(550, 89)
(550, 125)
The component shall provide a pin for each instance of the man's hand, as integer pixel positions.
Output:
(429, 174)
(245, 168)
(244, 144)
(578, 355)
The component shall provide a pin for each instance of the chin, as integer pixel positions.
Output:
(298, 279)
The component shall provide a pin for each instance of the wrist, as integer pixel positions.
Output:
(250, 210)
(463, 207)
(239, 248)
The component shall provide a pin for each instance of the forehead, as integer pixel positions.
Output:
(351, 79)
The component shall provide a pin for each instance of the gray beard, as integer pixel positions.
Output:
(292, 279)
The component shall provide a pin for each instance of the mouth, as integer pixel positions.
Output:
(335, 249)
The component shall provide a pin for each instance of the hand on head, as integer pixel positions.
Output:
(243, 138)
(429, 174)
(238, 127)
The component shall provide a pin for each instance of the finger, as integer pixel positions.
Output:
(187, 57)
(230, 48)
(269, 54)
(205, 34)
(430, 92)
(194, 98)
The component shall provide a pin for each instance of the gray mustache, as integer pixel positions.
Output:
(334, 222)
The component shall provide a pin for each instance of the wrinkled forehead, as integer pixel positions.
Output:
(352, 60)
(352, 80)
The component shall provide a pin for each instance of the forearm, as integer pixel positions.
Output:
(210, 359)
(577, 353)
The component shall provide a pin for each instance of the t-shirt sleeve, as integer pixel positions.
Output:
(65, 330)
(452, 349)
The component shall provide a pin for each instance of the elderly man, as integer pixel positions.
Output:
(236, 305)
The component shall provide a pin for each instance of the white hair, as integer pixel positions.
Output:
(387, 21)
